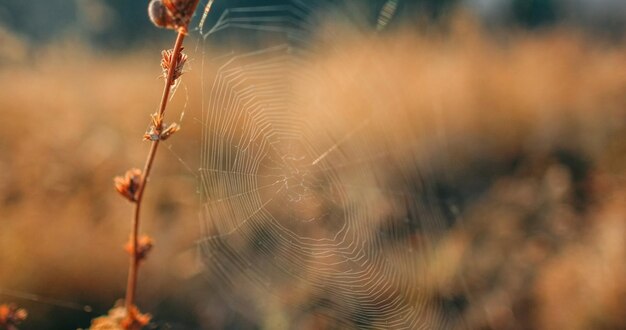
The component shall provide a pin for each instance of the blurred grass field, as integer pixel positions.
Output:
(535, 126)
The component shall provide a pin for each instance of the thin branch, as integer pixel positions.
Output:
(135, 257)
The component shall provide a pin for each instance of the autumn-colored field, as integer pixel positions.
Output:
(524, 137)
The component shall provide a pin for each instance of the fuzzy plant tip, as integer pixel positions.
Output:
(145, 244)
(158, 131)
(168, 61)
(119, 318)
(128, 185)
(11, 316)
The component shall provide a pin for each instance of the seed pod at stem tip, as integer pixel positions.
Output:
(171, 14)
(158, 13)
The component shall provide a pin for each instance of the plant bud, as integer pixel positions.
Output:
(158, 14)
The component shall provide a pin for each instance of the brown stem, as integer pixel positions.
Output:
(131, 285)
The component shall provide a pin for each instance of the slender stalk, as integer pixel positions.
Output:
(131, 286)
(156, 11)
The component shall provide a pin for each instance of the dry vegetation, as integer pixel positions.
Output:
(535, 130)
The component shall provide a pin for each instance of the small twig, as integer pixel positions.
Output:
(134, 260)
(174, 14)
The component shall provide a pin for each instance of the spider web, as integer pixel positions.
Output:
(309, 214)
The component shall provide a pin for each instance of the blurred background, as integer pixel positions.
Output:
(118, 25)
(526, 168)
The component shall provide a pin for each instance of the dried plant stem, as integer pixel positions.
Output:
(131, 286)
